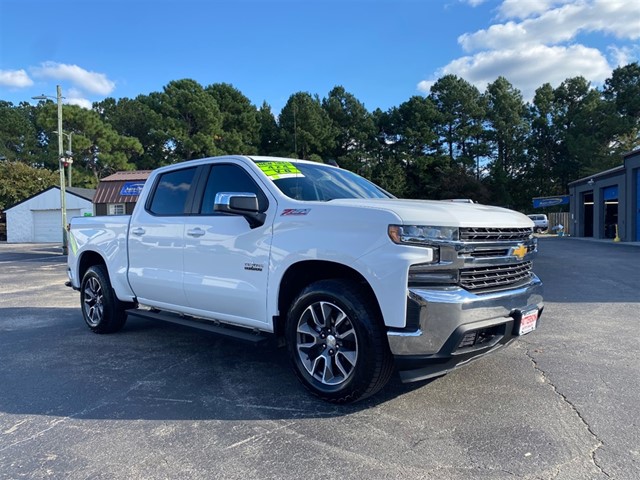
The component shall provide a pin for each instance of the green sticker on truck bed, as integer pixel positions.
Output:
(278, 170)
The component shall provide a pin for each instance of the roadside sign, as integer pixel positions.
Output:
(131, 189)
(542, 202)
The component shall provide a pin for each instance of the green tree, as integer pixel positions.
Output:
(543, 145)
(305, 127)
(623, 91)
(507, 132)
(408, 140)
(18, 136)
(353, 128)
(97, 147)
(383, 167)
(190, 119)
(240, 126)
(584, 128)
(462, 112)
(269, 143)
(19, 181)
(412, 128)
(136, 118)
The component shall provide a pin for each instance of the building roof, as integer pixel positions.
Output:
(127, 176)
(631, 153)
(598, 175)
(604, 173)
(85, 193)
(110, 188)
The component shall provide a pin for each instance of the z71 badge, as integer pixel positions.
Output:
(255, 267)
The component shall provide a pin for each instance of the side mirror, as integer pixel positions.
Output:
(240, 203)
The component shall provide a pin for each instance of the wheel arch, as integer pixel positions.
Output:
(299, 275)
(87, 260)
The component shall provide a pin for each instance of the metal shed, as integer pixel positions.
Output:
(38, 219)
(117, 194)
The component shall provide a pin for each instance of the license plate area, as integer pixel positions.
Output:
(528, 321)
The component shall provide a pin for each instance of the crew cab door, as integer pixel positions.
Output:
(226, 262)
(156, 240)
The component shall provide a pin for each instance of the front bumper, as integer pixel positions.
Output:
(449, 326)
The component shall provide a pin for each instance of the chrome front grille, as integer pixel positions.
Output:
(495, 276)
(489, 253)
(477, 234)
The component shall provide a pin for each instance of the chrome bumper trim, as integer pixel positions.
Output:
(442, 310)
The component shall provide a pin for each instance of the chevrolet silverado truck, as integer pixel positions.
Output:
(356, 283)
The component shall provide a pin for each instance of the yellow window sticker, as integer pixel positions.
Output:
(278, 170)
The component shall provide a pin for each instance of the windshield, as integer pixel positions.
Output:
(318, 182)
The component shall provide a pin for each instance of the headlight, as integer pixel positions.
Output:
(421, 235)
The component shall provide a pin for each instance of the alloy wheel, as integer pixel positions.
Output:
(93, 301)
(327, 343)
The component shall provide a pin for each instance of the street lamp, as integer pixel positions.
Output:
(63, 206)
(68, 159)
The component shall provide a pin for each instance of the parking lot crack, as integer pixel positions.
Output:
(418, 442)
(599, 443)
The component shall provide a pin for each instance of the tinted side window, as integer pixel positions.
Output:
(229, 178)
(172, 191)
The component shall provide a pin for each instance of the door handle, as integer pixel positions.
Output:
(195, 232)
(138, 231)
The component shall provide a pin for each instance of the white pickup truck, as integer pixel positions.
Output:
(356, 282)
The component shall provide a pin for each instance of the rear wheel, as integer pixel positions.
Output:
(337, 343)
(101, 309)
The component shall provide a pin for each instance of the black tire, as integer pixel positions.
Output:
(337, 342)
(101, 309)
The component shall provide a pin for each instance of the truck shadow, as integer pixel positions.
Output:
(51, 364)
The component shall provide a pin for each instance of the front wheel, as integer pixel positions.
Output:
(101, 309)
(337, 342)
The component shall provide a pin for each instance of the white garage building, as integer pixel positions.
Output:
(38, 218)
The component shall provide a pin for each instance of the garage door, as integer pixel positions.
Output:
(47, 225)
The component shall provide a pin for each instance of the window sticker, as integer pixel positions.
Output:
(279, 170)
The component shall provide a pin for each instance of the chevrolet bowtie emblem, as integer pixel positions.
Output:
(520, 251)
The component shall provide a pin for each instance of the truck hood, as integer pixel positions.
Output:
(442, 213)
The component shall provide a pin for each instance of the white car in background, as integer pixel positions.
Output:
(541, 222)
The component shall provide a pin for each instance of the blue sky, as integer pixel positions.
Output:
(382, 51)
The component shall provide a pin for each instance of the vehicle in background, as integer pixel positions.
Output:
(540, 221)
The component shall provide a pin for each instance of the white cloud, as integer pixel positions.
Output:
(474, 3)
(92, 82)
(561, 23)
(522, 9)
(622, 56)
(539, 42)
(425, 86)
(81, 102)
(15, 79)
(75, 97)
(528, 69)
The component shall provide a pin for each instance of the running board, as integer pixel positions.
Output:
(237, 333)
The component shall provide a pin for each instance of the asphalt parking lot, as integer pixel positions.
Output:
(163, 401)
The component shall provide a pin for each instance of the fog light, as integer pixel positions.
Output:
(468, 340)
